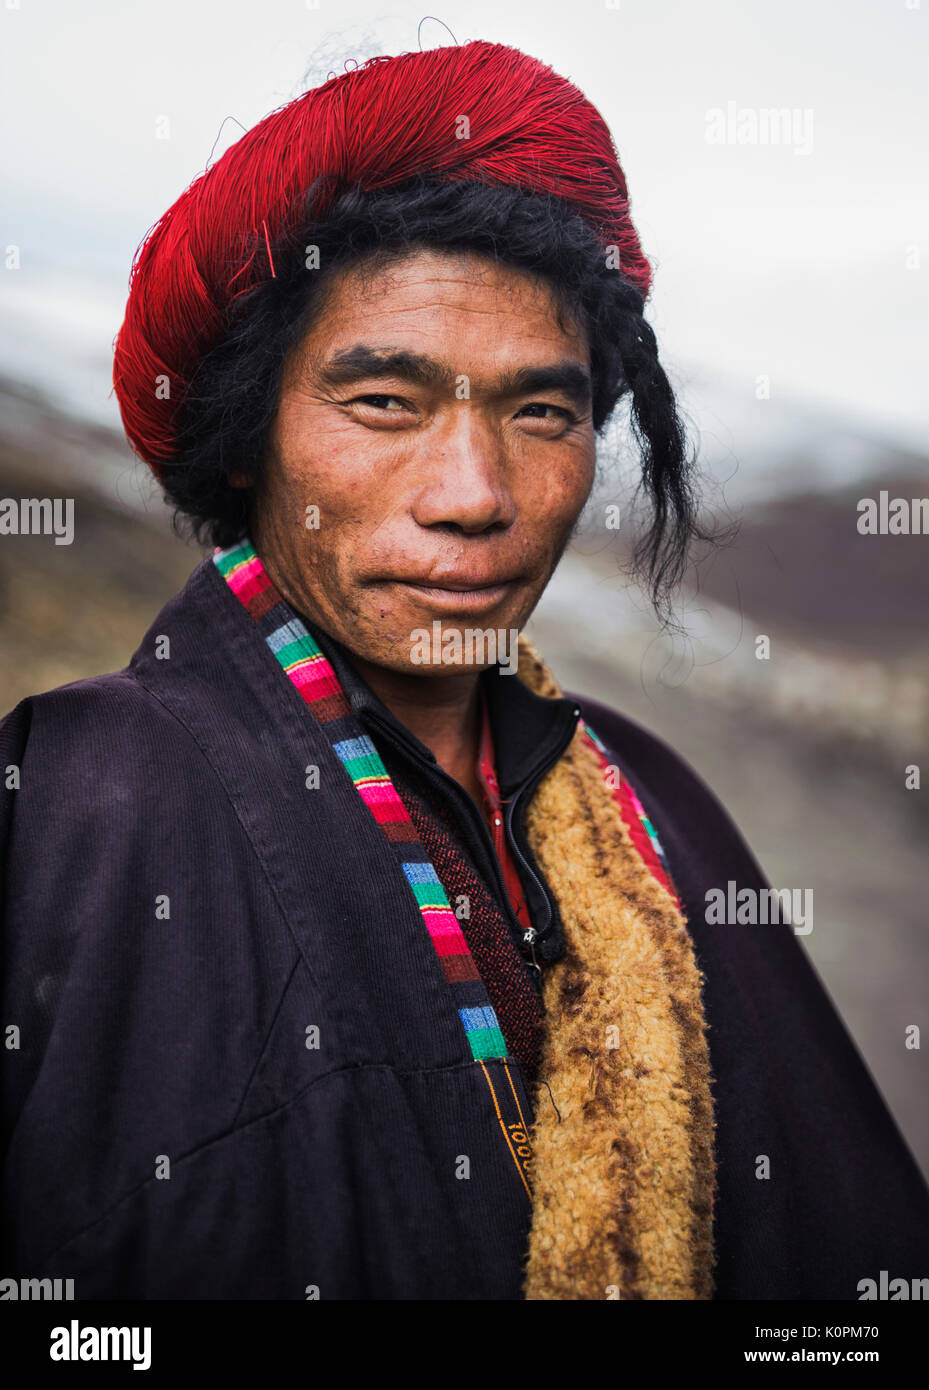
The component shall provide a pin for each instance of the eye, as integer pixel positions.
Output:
(544, 405)
(379, 402)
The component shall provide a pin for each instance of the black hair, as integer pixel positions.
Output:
(225, 418)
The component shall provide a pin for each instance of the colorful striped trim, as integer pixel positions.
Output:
(641, 830)
(315, 680)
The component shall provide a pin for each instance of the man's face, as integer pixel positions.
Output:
(439, 418)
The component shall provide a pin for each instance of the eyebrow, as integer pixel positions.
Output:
(361, 362)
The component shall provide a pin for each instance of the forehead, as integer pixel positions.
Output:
(449, 300)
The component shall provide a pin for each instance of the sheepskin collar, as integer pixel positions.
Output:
(623, 1135)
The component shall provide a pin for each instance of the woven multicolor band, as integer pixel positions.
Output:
(641, 831)
(311, 673)
(316, 681)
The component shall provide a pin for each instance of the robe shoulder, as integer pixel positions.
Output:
(805, 1141)
(128, 894)
(93, 757)
(101, 716)
(108, 806)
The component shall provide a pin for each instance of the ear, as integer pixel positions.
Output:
(240, 480)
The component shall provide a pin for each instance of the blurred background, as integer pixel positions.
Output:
(791, 303)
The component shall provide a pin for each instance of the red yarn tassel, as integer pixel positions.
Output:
(480, 111)
(268, 244)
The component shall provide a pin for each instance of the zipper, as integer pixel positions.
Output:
(530, 936)
(535, 933)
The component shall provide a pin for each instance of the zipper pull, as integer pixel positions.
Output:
(529, 938)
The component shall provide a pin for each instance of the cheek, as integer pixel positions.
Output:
(554, 498)
(317, 451)
(331, 479)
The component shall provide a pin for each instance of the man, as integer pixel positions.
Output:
(344, 959)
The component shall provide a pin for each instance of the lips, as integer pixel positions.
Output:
(458, 583)
(458, 593)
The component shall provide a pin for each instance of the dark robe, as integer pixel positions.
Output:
(180, 909)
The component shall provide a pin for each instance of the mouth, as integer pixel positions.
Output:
(457, 596)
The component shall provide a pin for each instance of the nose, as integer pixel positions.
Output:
(464, 483)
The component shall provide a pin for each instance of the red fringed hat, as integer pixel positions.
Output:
(381, 123)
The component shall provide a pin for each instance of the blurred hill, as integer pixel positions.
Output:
(68, 611)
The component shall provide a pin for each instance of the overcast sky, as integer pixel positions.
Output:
(807, 262)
